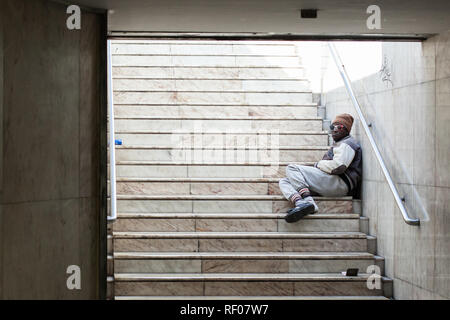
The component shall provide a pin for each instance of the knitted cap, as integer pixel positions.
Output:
(344, 119)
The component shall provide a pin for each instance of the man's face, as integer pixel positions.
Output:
(338, 131)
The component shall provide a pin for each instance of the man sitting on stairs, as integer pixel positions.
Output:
(337, 174)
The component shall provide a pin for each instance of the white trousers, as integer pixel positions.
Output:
(299, 177)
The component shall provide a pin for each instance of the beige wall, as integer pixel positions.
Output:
(410, 118)
(51, 108)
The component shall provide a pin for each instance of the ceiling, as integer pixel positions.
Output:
(336, 18)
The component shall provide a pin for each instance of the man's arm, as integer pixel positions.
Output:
(343, 157)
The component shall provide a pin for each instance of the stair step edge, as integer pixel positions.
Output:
(197, 180)
(150, 147)
(238, 235)
(285, 133)
(221, 197)
(120, 277)
(183, 163)
(232, 216)
(242, 255)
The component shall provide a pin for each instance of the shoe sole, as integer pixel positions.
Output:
(291, 209)
(295, 214)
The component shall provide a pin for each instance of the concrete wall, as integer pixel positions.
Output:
(410, 116)
(52, 106)
(1, 154)
(282, 16)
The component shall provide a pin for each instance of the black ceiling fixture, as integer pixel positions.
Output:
(308, 13)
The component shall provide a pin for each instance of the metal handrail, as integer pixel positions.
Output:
(112, 141)
(391, 184)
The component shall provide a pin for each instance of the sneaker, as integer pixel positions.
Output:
(307, 199)
(311, 200)
(301, 210)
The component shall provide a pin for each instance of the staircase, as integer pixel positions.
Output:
(208, 129)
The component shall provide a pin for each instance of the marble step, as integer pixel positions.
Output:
(204, 61)
(197, 186)
(194, 188)
(281, 284)
(212, 98)
(225, 197)
(208, 154)
(222, 139)
(240, 242)
(230, 125)
(206, 85)
(242, 262)
(185, 169)
(237, 298)
(224, 215)
(219, 117)
(205, 186)
(234, 222)
(223, 204)
(215, 49)
(182, 111)
(231, 73)
(198, 180)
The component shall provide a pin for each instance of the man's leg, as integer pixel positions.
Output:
(294, 185)
(301, 179)
(287, 189)
(320, 182)
(296, 175)
(295, 189)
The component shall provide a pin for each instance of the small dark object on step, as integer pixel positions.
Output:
(352, 272)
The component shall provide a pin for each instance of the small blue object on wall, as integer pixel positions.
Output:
(118, 142)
